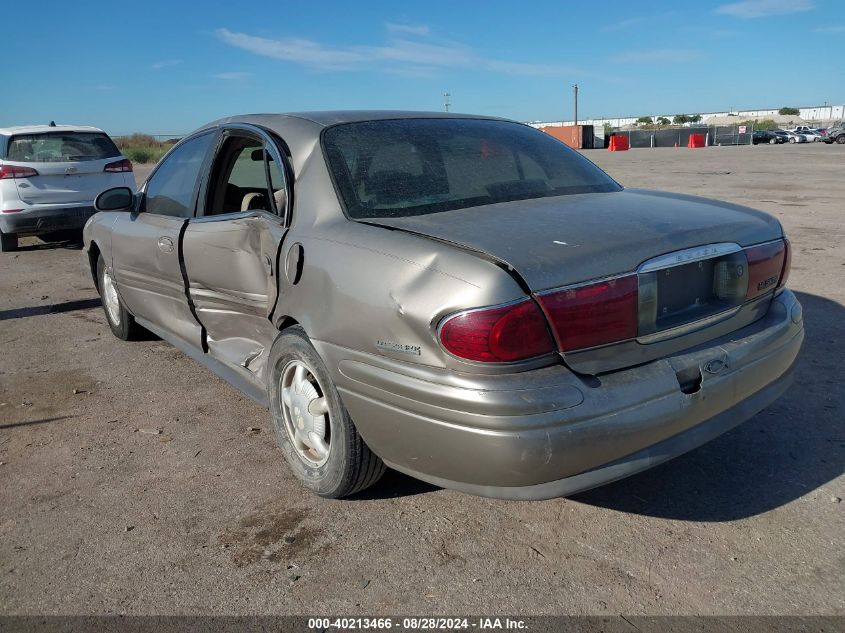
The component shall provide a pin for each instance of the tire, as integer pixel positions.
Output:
(841, 139)
(341, 464)
(792, 139)
(8, 242)
(121, 322)
(773, 141)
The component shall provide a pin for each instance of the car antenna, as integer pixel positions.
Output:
(52, 124)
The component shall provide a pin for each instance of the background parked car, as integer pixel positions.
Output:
(50, 175)
(796, 137)
(768, 136)
(781, 134)
(835, 134)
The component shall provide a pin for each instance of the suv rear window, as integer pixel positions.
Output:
(61, 147)
(404, 167)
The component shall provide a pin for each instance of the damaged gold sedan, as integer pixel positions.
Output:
(463, 299)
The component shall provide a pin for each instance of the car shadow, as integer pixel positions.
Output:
(35, 422)
(69, 241)
(53, 308)
(784, 452)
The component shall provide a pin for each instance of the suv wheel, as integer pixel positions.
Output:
(8, 242)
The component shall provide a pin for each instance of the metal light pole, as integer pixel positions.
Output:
(575, 97)
(446, 103)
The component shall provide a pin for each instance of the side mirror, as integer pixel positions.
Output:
(116, 199)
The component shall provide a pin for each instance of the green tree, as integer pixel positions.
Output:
(662, 120)
(694, 118)
(789, 111)
(680, 119)
(645, 120)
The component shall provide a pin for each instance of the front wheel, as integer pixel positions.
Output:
(841, 139)
(8, 242)
(792, 140)
(772, 141)
(121, 322)
(320, 442)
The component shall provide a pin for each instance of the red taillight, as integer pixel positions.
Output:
(593, 314)
(768, 266)
(120, 165)
(15, 171)
(498, 335)
(10, 210)
(787, 263)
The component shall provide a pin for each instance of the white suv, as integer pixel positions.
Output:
(50, 175)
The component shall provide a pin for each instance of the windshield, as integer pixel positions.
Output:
(61, 147)
(405, 167)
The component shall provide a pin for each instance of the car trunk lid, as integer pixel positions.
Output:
(566, 241)
(554, 242)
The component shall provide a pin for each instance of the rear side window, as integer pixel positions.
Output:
(171, 190)
(61, 147)
(397, 168)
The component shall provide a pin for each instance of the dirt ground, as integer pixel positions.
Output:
(99, 515)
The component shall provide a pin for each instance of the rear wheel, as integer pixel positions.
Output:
(8, 242)
(841, 139)
(122, 323)
(316, 434)
(792, 139)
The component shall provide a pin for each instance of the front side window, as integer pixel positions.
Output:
(171, 189)
(61, 147)
(405, 167)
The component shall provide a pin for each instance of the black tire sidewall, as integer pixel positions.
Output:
(332, 478)
(123, 330)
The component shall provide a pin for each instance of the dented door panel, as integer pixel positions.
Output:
(148, 272)
(231, 265)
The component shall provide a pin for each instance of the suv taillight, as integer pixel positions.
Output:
(503, 334)
(593, 314)
(768, 267)
(120, 165)
(15, 171)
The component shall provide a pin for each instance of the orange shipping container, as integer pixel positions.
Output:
(576, 136)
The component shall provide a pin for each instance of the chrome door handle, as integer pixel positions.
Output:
(165, 245)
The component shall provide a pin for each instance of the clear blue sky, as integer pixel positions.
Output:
(168, 67)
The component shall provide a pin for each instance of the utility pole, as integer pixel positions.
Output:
(446, 103)
(575, 96)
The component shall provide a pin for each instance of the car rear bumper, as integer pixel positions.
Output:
(36, 220)
(548, 432)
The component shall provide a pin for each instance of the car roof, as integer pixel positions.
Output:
(301, 130)
(36, 129)
(334, 117)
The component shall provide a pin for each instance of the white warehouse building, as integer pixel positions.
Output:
(825, 113)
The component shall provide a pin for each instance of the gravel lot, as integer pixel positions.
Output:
(97, 516)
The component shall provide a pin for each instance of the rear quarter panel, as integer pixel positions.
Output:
(383, 292)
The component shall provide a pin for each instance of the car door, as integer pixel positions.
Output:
(146, 243)
(231, 250)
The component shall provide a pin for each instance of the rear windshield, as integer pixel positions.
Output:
(61, 147)
(407, 167)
